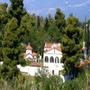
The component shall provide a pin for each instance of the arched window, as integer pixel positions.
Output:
(56, 60)
(52, 72)
(51, 59)
(59, 72)
(46, 58)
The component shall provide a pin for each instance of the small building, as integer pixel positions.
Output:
(29, 54)
(31, 70)
(52, 58)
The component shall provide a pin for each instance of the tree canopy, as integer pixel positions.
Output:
(18, 26)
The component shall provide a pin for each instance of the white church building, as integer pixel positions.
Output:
(30, 54)
(52, 58)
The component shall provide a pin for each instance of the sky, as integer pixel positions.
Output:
(79, 8)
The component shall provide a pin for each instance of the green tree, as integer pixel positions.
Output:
(49, 21)
(37, 39)
(53, 34)
(60, 20)
(3, 21)
(49, 82)
(3, 15)
(11, 50)
(39, 42)
(78, 83)
(72, 44)
(27, 25)
(17, 9)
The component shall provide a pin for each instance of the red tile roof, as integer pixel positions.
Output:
(49, 46)
(34, 54)
(36, 64)
(28, 47)
(83, 63)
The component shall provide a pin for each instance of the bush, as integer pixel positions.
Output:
(78, 83)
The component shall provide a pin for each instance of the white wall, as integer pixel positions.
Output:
(57, 67)
(29, 56)
(52, 66)
(29, 69)
(54, 53)
(33, 70)
(28, 51)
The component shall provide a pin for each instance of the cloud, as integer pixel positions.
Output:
(37, 12)
(40, 11)
(51, 9)
(80, 4)
(66, 2)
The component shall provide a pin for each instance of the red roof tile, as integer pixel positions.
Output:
(36, 64)
(28, 47)
(49, 46)
(34, 54)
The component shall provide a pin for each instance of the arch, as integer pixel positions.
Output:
(52, 72)
(51, 59)
(46, 58)
(59, 72)
(56, 60)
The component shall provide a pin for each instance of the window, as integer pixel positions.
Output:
(56, 60)
(51, 59)
(52, 72)
(59, 72)
(46, 59)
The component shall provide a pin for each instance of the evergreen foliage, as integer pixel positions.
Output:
(72, 44)
(17, 27)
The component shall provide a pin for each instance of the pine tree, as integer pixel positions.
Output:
(72, 44)
(17, 9)
(10, 50)
(60, 20)
(3, 21)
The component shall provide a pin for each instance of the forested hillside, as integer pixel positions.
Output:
(18, 27)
